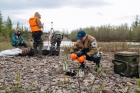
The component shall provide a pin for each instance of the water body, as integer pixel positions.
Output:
(63, 43)
(69, 43)
(133, 43)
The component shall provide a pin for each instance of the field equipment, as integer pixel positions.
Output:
(49, 39)
(126, 63)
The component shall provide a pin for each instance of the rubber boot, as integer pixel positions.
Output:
(35, 49)
(51, 51)
(40, 46)
(98, 64)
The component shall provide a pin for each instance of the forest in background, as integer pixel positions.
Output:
(103, 33)
(109, 33)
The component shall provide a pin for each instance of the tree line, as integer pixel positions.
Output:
(103, 33)
(7, 29)
(108, 33)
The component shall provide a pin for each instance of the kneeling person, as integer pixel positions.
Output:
(56, 38)
(86, 45)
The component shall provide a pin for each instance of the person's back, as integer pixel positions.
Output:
(56, 38)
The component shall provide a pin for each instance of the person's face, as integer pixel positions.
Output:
(18, 32)
(83, 39)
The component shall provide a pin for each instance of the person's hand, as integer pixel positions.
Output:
(79, 53)
(82, 59)
(73, 56)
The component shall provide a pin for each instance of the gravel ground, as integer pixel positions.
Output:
(47, 75)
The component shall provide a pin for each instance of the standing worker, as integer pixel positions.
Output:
(56, 38)
(36, 26)
(86, 48)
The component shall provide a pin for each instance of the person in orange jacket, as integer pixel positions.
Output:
(36, 29)
(86, 49)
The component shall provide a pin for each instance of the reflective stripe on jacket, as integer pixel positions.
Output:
(33, 24)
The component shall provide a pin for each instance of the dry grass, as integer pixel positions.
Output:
(112, 47)
(117, 46)
(7, 45)
(104, 46)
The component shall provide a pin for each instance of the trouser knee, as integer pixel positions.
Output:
(97, 61)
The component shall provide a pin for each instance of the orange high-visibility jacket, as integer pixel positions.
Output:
(33, 24)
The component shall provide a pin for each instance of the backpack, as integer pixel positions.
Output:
(126, 63)
(46, 52)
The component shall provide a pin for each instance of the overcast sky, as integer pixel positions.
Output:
(72, 14)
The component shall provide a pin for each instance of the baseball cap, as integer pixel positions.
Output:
(81, 34)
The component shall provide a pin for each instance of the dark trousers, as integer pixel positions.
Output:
(95, 58)
(38, 43)
(20, 44)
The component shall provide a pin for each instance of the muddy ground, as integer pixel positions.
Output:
(47, 75)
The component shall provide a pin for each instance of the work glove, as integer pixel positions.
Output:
(81, 59)
(79, 53)
(73, 56)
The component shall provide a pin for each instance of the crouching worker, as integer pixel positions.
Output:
(36, 26)
(86, 48)
(18, 40)
(56, 38)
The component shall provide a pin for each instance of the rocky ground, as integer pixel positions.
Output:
(47, 75)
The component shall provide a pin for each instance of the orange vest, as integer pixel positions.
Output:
(33, 25)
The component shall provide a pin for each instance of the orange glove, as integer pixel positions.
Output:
(81, 59)
(73, 56)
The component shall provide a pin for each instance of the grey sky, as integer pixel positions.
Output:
(72, 14)
(30, 4)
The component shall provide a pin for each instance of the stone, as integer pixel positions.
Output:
(107, 90)
(44, 88)
(2, 91)
(65, 79)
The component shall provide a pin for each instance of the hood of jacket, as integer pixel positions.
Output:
(37, 15)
